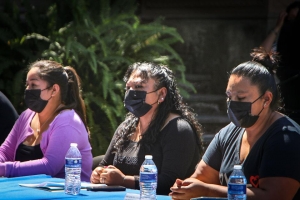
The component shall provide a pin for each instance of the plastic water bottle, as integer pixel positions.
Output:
(148, 179)
(237, 184)
(73, 170)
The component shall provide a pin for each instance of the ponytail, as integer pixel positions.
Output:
(71, 97)
(69, 83)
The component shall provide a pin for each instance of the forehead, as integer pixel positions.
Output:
(240, 85)
(138, 78)
(33, 74)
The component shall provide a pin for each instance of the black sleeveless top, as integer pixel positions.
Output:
(26, 153)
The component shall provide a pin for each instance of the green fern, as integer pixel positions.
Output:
(100, 40)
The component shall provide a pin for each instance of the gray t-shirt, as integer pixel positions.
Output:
(275, 154)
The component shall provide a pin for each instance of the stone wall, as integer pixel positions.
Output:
(218, 35)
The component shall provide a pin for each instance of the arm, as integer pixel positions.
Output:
(270, 188)
(279, 174)
(57, 142)
(109, 174)
(282, 188)
(279, 171)
(269, 40)
(180, 154)
(107, 160)
(204, 182)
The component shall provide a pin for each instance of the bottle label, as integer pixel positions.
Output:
(73, 163)
(148, 177)
(236, 188)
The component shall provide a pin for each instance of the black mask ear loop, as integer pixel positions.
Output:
(263, 106)
(46, 89)
(157, 99)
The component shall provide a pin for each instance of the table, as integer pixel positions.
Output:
(10, 189)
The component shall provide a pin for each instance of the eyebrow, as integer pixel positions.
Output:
(32, 79)
(228, 93)
(139, 82)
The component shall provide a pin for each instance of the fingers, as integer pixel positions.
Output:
(95, 176)
(178, 182)
(177, 196)
(102, 180)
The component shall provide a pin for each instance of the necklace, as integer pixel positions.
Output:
(38, 130)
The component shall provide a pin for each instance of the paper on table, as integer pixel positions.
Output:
(48, 186)
(58, 185)
(132, 196)
(44, 184)
(90, 185)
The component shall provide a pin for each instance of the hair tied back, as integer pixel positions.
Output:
(268, 59)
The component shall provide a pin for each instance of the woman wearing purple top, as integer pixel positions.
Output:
(56, 117)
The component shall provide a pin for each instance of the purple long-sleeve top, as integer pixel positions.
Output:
(66, 128)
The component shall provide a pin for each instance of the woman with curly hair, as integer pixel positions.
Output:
(159, 124)
(261, 139)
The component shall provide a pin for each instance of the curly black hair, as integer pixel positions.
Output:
(173, 103)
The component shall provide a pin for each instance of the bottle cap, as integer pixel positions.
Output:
(237, 167)
(148, 156)
(73, 144)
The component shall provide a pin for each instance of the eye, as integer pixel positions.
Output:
(240, 98)
(138, 86)
(30, 86)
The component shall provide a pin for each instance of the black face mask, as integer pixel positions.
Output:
(240, 113)
(134, 101)
(33, 100)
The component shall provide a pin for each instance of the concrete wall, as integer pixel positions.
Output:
(218, 34)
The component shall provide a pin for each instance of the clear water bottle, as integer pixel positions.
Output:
(237, 184)
(73, 170)
(148, 179)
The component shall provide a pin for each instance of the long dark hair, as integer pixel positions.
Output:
(69, 82)
(172, 103)
(260, 72)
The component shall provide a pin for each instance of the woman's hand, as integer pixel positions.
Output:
(280, 21)
(187, 189)
(111, 176)
(95, 176)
